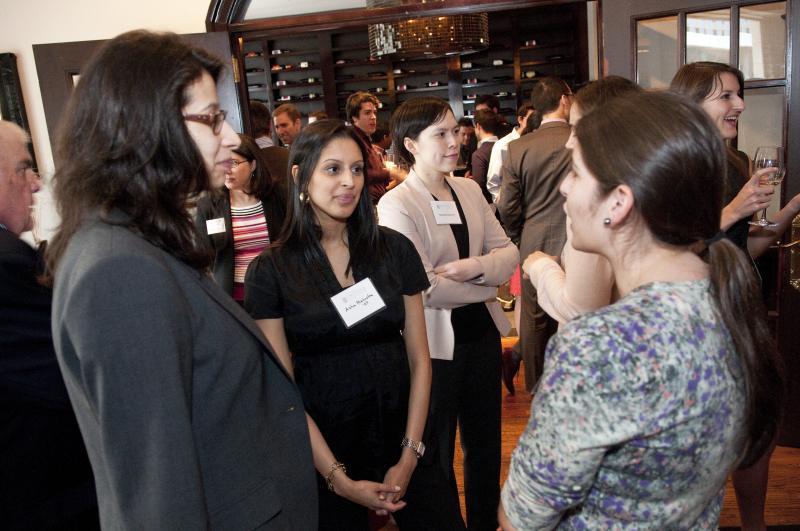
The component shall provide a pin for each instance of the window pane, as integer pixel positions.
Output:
(656, 51)
(762, 41)
(761, 124)
(708, 36)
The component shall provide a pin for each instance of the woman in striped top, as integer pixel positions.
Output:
(241, 219)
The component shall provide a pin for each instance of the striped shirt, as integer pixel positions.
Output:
(250, 237)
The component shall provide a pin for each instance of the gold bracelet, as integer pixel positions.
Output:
(329, 478)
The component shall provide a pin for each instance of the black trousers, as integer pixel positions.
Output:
(536, 328)
(466, 391)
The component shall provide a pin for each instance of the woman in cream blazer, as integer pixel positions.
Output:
(466, 255)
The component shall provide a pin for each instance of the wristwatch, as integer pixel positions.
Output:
(416, 446)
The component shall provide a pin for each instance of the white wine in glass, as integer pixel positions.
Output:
(769, 157)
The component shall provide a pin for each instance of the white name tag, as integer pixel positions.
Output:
(215, 226)
(445, 213)
(358, 302)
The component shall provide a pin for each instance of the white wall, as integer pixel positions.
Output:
(27, 22)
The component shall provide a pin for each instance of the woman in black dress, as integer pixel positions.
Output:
(365, 378)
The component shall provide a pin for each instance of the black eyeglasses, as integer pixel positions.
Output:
(214, 121)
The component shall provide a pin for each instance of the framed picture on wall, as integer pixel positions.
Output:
(12, 106)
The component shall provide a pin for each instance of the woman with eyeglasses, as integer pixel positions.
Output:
(241, 219)
(189, 419)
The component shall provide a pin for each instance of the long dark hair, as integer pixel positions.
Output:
(667, 150)
(301, 231)
(124, 145)
(260, 183)
(697, 81)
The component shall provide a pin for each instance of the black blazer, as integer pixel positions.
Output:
(190, 420)
(47, 480)
(219, 206)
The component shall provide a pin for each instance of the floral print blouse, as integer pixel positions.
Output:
(637, 421)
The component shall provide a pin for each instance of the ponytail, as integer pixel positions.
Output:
(737, 295)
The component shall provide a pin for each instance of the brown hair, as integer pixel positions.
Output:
(355, 101)
(667, 150)
(546, 97)
(697, 81)
(289, 110)
(597, 93)
(488, 120)
(260, 119)
(124, 144)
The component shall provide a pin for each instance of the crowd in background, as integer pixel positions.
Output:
(286, 330)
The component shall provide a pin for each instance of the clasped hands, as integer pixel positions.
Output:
(383, 498)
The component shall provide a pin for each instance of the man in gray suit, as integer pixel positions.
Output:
(531, 207)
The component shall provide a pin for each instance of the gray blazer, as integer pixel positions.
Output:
(530, 205)
(189, 420)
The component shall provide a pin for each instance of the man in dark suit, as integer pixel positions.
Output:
(531, 207)
(487, 124)
(46, 478)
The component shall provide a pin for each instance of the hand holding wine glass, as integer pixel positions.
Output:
(769, 164)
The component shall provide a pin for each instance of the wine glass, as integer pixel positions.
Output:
(769, 157)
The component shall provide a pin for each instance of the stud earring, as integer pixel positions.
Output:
(303, 197)
(607, 221)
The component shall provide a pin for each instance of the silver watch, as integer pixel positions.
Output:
(416, 446)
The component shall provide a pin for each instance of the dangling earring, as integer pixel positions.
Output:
(607, 221)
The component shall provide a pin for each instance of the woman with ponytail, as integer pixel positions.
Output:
(646, 405)
(718, 89)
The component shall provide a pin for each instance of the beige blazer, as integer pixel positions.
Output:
(407, 209)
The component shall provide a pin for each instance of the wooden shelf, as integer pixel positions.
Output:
(421, 89)
(293, 53)
(547, 62)
(546, 46)
(361, 79)
(378, 94)
(295, 85)
(349, 48)
(358, 63)
(488, 84)
(559, 29)
(421, 73)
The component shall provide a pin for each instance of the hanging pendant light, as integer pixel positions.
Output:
(427, 36)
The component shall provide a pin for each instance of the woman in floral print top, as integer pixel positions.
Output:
(646, 405)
